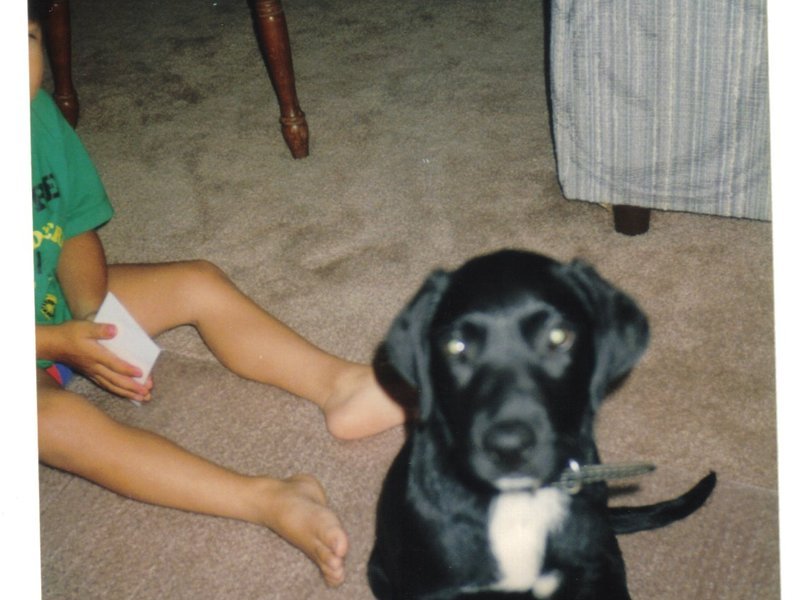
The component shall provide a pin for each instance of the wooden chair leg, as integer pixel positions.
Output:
(59, 50)
(274, 40)
(631, 220)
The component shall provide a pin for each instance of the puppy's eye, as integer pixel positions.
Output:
(560, 338)
(455, 347)
(460, 344)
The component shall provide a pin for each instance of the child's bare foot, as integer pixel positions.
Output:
(299, 513)
(358, 406)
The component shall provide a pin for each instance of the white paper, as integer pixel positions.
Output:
(131, 344)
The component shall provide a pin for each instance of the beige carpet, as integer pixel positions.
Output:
(430, 143)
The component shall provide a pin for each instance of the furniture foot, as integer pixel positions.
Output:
(631, 220)
(273, 36)
(59, 44)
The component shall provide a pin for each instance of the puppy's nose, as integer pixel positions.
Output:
(509, 441)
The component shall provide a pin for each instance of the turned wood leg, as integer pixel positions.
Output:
(59, 51)
(274, 39)
(631, 220)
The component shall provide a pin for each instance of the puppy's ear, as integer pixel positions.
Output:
(406, 344)
(622, 329)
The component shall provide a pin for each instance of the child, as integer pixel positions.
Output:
(72, 279)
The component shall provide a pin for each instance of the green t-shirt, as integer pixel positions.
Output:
(68, 199)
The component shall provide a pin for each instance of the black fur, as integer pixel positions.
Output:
(511, 356)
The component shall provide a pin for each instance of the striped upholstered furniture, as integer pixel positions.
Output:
(662, 104)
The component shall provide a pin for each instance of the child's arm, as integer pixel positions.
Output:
(83, 274)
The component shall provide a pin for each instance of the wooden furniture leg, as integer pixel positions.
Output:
(59, 44)
(274, 39)
(631, 220)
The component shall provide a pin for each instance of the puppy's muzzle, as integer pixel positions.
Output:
(509, 445)
(513, 454)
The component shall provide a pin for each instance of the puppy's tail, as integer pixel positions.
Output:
(630, 519)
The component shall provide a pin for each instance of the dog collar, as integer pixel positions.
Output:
(576, 475)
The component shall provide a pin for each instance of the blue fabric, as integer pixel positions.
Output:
(61, 373)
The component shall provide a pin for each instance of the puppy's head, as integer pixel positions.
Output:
(511, 355)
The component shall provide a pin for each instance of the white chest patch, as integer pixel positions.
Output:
(519, 523)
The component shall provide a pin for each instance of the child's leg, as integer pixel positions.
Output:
(252, 343)
(77, 437)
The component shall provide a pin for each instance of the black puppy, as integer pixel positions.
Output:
(511, 355)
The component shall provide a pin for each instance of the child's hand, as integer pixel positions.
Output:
(75, 343)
